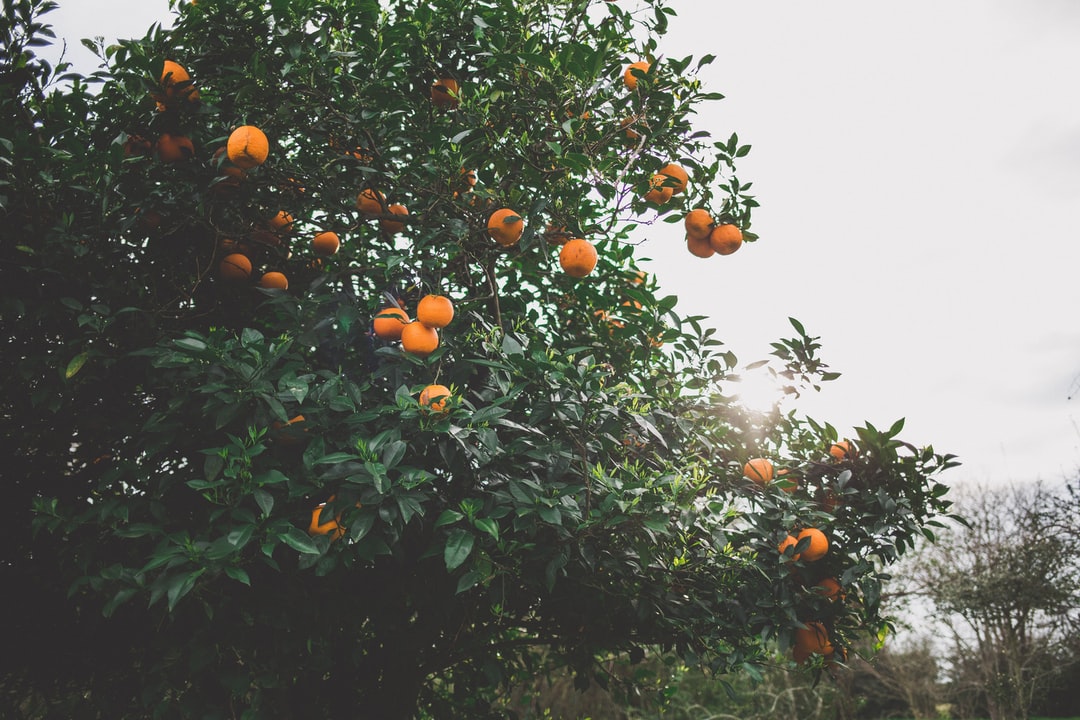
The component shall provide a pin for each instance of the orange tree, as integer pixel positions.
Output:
(248, 500)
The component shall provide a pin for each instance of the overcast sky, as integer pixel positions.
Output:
(918, 169)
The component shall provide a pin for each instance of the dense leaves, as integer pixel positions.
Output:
(178, 427)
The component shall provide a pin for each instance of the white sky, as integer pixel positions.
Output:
(918, 168)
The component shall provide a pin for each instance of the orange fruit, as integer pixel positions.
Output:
(419, 339)
(760, 470)
(789, 542)
(627, 127)
(173, 73)
(819, 544)
(389, 322)
(556, 234)
(282, 222)
(174, 148)
(699, 246)
(637, 277)
(274, 281)
(370, 202)
(317, 527)
(699, 224)
(841, 450)
(235, 268)
(445, 93)
(628, 74)
(506, 227)
(177, 83)
(435, 311)
(470, 178)
(136, 145)
(248, 147)
(659, 193)
(326, 243)
(829, 588)
(811, 640)
(230, 178)
(578, 258)
(680, 176)
(725, 239)
(393, 226)
(789, 483)
(434, 399)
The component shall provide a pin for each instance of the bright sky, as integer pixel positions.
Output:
(918, 168)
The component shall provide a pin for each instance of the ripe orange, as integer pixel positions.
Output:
(789, 542)
(829, 588)
(394, 226)
(760, 470)
(370, 202)
(637, 277)
(819, 544)
(326, 243)
(136, 145)
(659, 193)
(282, 222)
(173, 73)
(445, 93)
(235, 268)
(699, 246)
(628, 75)
(419, 339)
(699, 224)
(627, 127)
(177, 83)
(813, 639)
(841, 450)
(389, 322)
(676, 172)
(326, 528)
(506, 227)
(174, 148)
(435, 311)
(274, 281)
(578, 258)
(470, 178)
(230, 179)
(434, 398)
(248, 147)
(725, 239)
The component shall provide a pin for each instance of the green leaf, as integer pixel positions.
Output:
(487, 525)
(75, 365)
(238, 574)
(300, 541)
(458, 546)
(265, 501)
(448, 517)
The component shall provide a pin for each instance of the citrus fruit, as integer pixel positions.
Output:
(444, 93)
(841, 450)
(760, 470)
(274, 281)
(326, 243)
(659, 192)
(698, 223)
(282, 222)
(725, 239)
(394, 226)
(435, 311)
(434, 398)
(370, 202)
(389, 322)
(699, 246)
(506, 227)
(419, 339)
(819, 544)
(248, 147)
(811, 640)
(629, 78)
(829, 588)
(235, 268)
(578, 258)
(174, 148)
(318, 527)
(678, 174)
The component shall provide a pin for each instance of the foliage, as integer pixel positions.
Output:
(583, 495)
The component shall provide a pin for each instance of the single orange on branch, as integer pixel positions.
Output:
(235, 268)
(326, 243)
(445, 93)
(811, 640)
(659, 190)
(174, 148)
(389, 322)
(679, 177)
(274, 281)
(630, 74)
(505, 227)
(370, 202)
(578, 257)
(435, 311)
(435, 399)
(419, 339)
(760, 470)
(282, 222)
(248, 147)
(818, 547)
(329, 527)
(842, 450)
(394, 226)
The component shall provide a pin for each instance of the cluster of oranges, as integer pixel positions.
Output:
(812, 545)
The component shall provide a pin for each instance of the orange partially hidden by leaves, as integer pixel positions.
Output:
(326, 243)
(435, 311)
(235, 268)
(725, 239)
(659, 191)
(394, 226)
(289, 433)
(434, 398)
(506, 227)
(274, 281)
(389, 322)
(317, 527)
(629, 78)
(760, 470)
(419, 339)
(811, 640)
(627, 126)
(282, 222)
(578, 257)
(444, 93)
(829, 588)
(174, 148)
(370, 202)
(842, 450)
(680, 177)
(177, 83)
(248, 147)
(819, 544)
(699, 246)
(789, 542)
(699, 224)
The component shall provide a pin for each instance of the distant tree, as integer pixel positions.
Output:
(1006, 587)
(244, 503)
